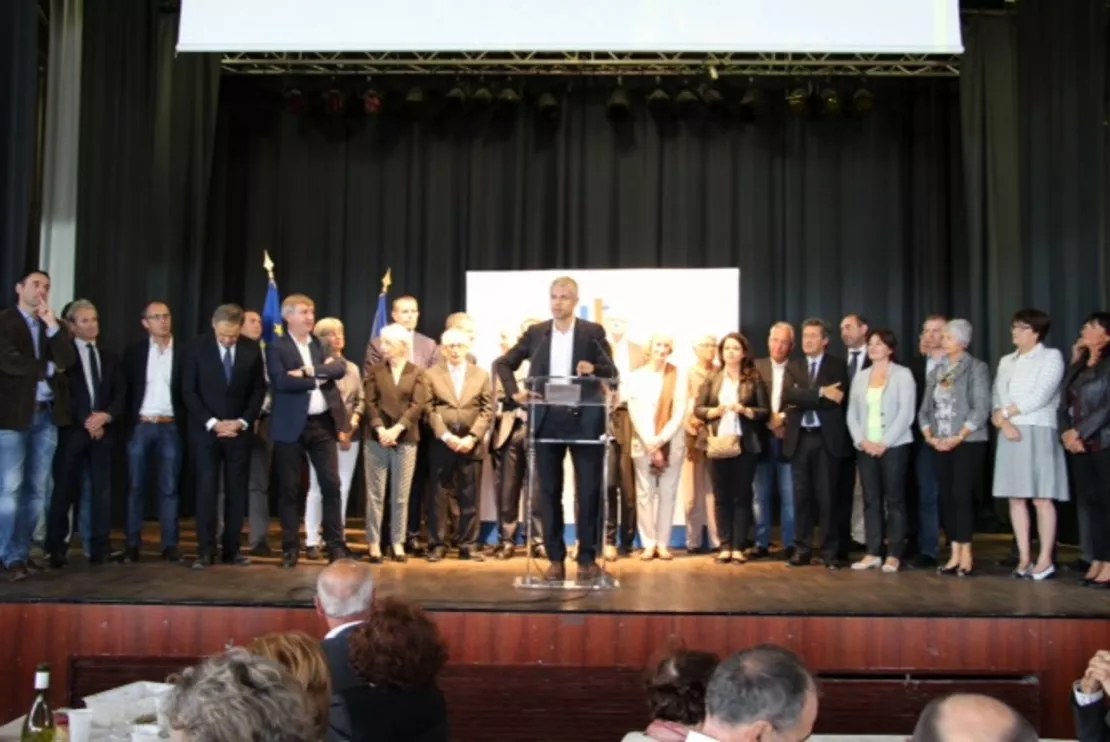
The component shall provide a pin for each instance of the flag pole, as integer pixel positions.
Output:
(387, 281)
(268, 264)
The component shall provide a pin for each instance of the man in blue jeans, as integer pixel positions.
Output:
(930, 356)
(772, 469)
(34, 354)
(155, 412)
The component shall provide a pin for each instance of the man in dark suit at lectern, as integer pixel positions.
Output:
(564, 347)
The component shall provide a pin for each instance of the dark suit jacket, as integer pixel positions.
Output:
(388, 404)
(289, 410)
(469, 414)
(590, 344)
(134, 378)
(111, 396)
(1091, 724)
(20, 371)
(800, 396)
(205, 388)
(753, 432)
(767, 374)
(337, 650)
(368, 714)
(425, 353)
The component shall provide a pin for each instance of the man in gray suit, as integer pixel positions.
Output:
(459, 415)
(424, 354)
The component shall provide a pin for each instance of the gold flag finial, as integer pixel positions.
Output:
(268, 264)
(387, 280)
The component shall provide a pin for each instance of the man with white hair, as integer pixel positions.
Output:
(459, 414)
(344, 599)
(761, 693)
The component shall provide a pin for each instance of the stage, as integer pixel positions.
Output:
(882, 644)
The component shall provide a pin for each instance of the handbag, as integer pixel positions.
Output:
(723, 446)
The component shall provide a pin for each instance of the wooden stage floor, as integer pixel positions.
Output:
(691, 584)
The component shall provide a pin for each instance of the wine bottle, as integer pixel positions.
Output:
(39, 724)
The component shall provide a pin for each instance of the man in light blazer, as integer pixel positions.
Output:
(816, 435)
(564, 347)
(306, 417)
(459, 414)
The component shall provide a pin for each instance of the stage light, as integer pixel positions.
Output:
(689, 104)
(830, 102)
(659, 103)
(372, 102)
(414, 102)
(335, 102)
(481, 98)
(797, 100)
(294, 101)
(863, 102)
(714, 101)
(547, 108)
(508, 96)
(752, 104)
(618, 110)
(713, 74)
(455, 98)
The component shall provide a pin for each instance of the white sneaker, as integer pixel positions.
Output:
(868, 562)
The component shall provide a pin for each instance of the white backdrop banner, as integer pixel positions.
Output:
(831, 26)
(683, 303)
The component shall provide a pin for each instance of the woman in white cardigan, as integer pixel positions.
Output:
(656, 395)
(881, 410)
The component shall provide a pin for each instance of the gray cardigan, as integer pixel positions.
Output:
(898, 407)
(971, 380)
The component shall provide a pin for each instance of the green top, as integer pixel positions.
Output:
(875, 414)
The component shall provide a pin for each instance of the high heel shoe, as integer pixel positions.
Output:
(948, 570)
(1048, 573)
(969, 572)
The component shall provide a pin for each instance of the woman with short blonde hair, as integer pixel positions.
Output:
(305, 660)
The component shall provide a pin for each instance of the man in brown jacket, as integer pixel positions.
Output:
(34, 354)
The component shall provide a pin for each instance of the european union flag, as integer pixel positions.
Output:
(381, 316)
(271, 308)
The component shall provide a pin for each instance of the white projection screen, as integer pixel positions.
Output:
(803, 26)
(684, 303)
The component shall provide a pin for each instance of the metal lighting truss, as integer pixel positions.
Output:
(608, 64)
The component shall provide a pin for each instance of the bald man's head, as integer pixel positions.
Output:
(971, 718)
(345, 592)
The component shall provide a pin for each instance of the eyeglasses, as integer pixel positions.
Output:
(1020, 326)
(161, 317)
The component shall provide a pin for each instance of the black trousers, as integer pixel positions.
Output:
(587, 461)
(733, 486)
(454, 479)
(884, 497)
(76, 452)
(620, 504)
(959, 477)
(319, 442)
(510, 469)
(420, 492)
(1092, 485)
(845, 497)
(233, 455)
(815, 472)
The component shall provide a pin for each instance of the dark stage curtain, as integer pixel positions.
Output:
(823, 217)
(18, 137)
(148, 119)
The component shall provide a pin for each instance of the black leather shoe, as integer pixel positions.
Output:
(235, 560)
(469, 555)
(58, 560)
(834, 565)
(506, 552)
(415, 548)
(339, 552)
(262, 550)
(131, 555)
(556, 572)
(759, 552)
(948, 570)
(799, 560)
(312, 553)
(436, 553)
(97, 559)
(588, 572)
(374, 558)
(289, 559)
(924, 561)
(204, 561)
(172, 555)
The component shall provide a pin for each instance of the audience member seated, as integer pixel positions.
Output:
(238, 698)
(1088, 693)
(398, 654)
(676, 696)
(344, 596)
(302, 656)
(763, 693)
(971, 718)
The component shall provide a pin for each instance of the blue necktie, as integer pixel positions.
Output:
(227, 365)
(811, 420)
